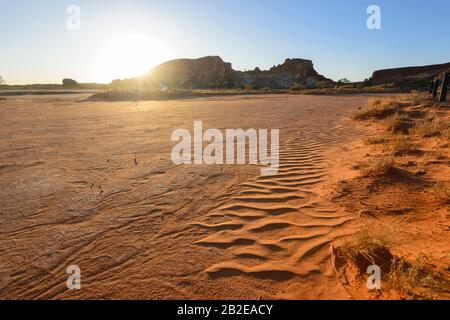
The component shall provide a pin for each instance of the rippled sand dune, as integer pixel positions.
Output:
(92, 184)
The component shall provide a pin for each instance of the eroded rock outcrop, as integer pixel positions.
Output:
(408, 74)
(291, 72)
(213, 72)
(206, 72)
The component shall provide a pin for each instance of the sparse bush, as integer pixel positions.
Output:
(69, 83)
(323, 84)
(389, 85)
(415, 280)
(441, 192)
(377, 109)
(378, 167)
(366, 248)
(398, 123)
(343, 81)
(298, 87)
(381, 139)
(433, 128)
(409, 279)
(401, 145)
(366, 83)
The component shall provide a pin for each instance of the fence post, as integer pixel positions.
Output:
(435, 87)
(444, 89)
(430, 91)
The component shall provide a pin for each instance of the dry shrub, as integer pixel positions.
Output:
(377, 109)
(398, 123)
(366, 248)
(441, 192)
(422, 99)
(433, 128)
(380, 139)
(446, 134)
(401, 145)
(409, 279)
(377, 167)
(416, 280)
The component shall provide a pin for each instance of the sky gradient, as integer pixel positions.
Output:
(37, 47)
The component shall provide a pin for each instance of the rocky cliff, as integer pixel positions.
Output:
(213, 72)
(408, 74)
(206, 72)
(292, 72)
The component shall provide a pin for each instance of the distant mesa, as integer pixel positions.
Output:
(409, 74)
(213, 72)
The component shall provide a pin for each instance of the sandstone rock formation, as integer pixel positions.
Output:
(206, 72)
(408, 74)
(213, 72)
(291, 72)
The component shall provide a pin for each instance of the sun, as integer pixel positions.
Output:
(129, 56)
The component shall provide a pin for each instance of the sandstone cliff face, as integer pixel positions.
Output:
(291, 72)
(194, 73)
(408, 74)
(213, 72)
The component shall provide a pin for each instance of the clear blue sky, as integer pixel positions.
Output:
(37, 47)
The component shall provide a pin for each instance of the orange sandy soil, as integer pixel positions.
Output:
(402, 208)
(92, 184)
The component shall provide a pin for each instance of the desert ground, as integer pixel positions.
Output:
(92, 184)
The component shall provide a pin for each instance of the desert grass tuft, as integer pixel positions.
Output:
(398, 123)
(368, 247)
(377, 109)
(410, 279)
(414, 280)
(401, 145)
(441, 192)
(381, 166)
(380, 139)
(433, 128)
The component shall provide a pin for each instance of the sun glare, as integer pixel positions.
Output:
(129, 56)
